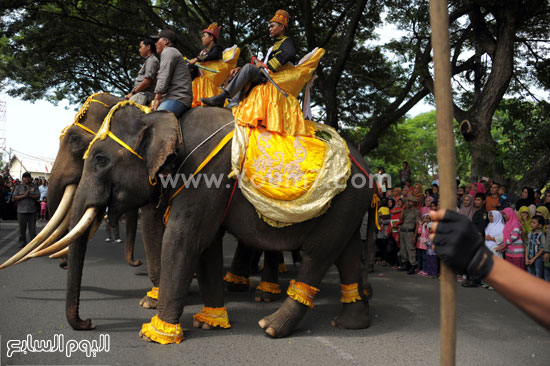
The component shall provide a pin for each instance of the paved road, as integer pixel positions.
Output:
(404, 320)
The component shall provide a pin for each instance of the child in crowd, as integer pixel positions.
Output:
(431, 257)
(535, 247)
(395, 213)
(422, 245)
(43, 208)
(503, 201)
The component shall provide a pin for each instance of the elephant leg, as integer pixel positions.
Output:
(237, 277)
(131, 229)
(152, 231)
(355, 313)
(77, 252)
(210, 277)
(269, 290)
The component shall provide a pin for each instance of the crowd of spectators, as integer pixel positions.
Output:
(515, 231)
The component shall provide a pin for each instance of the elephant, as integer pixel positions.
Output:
(121, 177)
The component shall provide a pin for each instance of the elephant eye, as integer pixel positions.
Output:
(101, 160)
(75, 141)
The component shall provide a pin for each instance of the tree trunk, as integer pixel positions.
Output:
(483, 150)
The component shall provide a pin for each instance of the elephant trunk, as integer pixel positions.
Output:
(131, 229)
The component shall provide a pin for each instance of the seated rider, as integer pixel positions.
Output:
(144, 86)
(212, 50)
(283, 51)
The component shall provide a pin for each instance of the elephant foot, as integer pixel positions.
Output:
(282, 322)
(354, 316)
(199, 324)
(260, 296)
(144, 337)
(148, 302)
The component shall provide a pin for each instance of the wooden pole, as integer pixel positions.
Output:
(439, 20)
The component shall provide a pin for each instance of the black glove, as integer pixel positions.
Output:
(459, 245)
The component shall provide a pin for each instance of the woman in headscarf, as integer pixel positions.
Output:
(527, 199)
(512, 239)
(467, 208)
(525, 219)
(417, 192)
(396, 194)
(426, 208)
(543, 211)
(477, 188)
(395, 213)
(494, 232)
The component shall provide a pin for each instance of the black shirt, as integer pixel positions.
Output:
(283, 51)
(213, 53)
(481, 220)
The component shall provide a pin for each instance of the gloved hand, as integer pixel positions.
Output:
(459, 245)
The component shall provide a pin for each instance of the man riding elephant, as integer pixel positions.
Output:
(282, 52)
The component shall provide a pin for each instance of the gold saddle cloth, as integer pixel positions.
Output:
(290, 179)
(266, 106)
(208, 84)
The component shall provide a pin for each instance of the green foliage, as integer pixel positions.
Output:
(522, 131)
(415, 140)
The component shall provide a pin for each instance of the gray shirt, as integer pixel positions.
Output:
(27, 204)
(410, 218)
(173, 78)
(148, 70)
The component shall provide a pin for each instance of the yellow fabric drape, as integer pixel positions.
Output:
(272, 288)
(350, 293)
(154, 293)
(215, 317)
(161, 332)
(268, 107)
(302, 293)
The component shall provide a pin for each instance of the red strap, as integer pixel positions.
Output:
(367, 174)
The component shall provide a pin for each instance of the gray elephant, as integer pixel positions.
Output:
(120, 177)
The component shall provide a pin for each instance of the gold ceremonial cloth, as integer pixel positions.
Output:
(290, 179)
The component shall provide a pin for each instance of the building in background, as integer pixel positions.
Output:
(38, 167)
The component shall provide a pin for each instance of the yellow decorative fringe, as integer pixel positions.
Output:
(272, 288)
(161, 332)
(350, 293)
(82, 112)
(302, 293)
(154, 293)
(238, 280)
(282, 268)
(374, 203)
(216, 317)
(105, 129)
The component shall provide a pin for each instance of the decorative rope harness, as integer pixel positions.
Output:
(80, 114)
(104, 130)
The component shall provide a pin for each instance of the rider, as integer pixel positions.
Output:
(144, 86)
(282, 51)
(173, 91)
(212, 50)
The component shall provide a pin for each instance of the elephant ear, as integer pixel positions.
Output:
(159, 139)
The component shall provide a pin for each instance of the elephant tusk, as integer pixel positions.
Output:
(95, 226)
(77, 231)
(56, 235)
(61, 253)
(57, 218)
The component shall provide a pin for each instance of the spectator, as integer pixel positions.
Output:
(494, 232)
(513, 241)
(468, 189)
(43, 189)
(426, 208)
(535, 248)
(543, 211)
(477, 188)
(432, 260)
(436, 179)
(417, 192)
(525, 219)
(492, 202)
(503, 200)
(459, 196)
(546, 200)
(429, 192)
(395, 213)
(409, 218)
(467, 208)
(173, 91)
(143, 91)
(435, 190)
(423, 234)
(408, 183)
(396, 192)
(480, 217)
(26, 195)
(527, 199)
(404, 173)
(405, 193)
(44, 209)
(537, 200)
(382, 237)
(381, 176)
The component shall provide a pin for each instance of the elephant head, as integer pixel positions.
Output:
(130, 147)
(67, 170)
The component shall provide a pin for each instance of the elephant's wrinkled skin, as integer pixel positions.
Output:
(115, 177)
(68, 165)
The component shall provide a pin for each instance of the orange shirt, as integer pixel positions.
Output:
(491, 203)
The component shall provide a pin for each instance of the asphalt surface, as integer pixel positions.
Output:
(404, 319)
